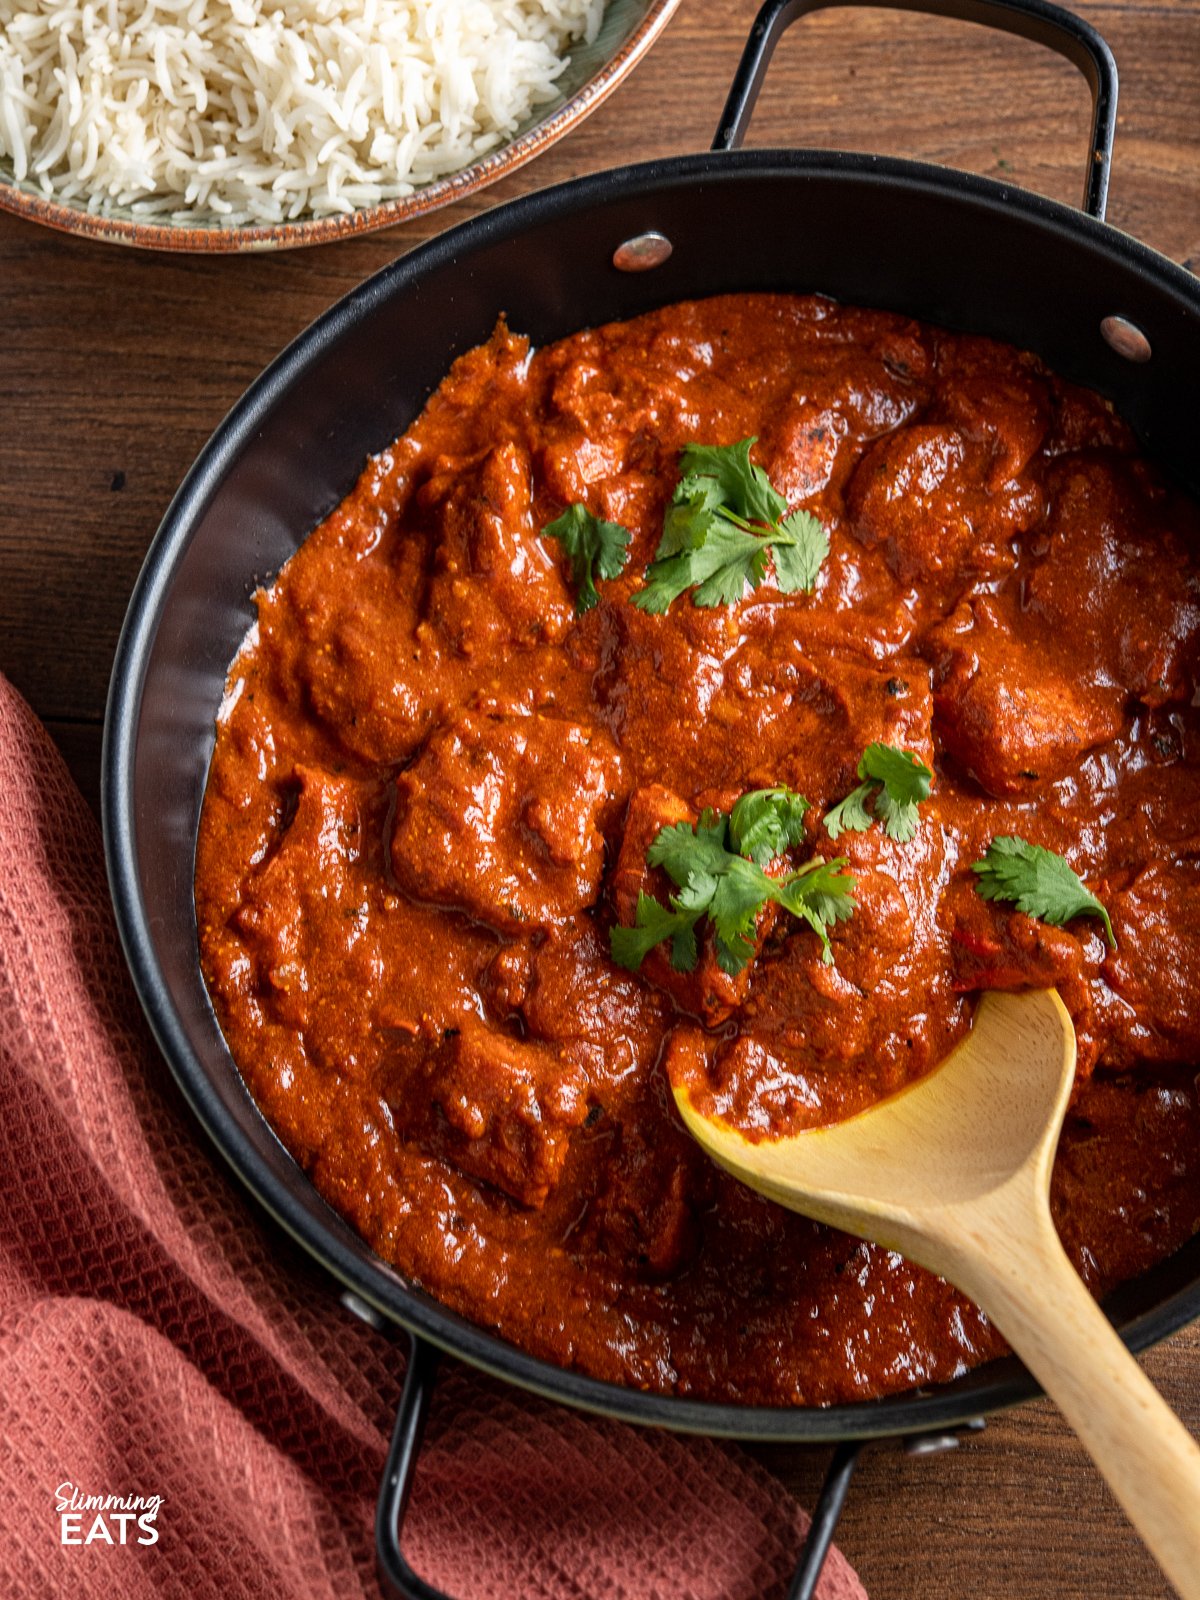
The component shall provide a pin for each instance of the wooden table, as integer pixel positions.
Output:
(115, 367)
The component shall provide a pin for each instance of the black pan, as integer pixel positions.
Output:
(949, 248)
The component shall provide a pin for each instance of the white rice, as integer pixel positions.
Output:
(239, 111)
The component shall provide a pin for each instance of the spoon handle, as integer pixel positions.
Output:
(1016, 1269)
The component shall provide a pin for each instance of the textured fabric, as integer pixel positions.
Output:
(158, 1338)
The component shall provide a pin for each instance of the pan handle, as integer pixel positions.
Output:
(396, 1578)
(1045, 24)
(824, 1521)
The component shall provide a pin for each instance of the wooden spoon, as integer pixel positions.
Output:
(954, 1172)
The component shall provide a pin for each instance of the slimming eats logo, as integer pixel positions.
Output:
(106, 1518)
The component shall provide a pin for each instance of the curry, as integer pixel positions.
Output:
(453, 743)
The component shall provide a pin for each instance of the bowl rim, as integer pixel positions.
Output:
(193, 239)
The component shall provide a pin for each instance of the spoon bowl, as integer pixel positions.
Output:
(954, 1136)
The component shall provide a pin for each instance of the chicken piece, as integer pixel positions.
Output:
(1154, 973)
(1160, 810)
(574, 462)
(925, 495)
(796, 704)
(647, 1213)
(299, 899)
(1115, 585)
(373, 706)
(997, 397)
(888, 704)
(657, 690)
(706, 991)
(828, 1011)
(483, 508)
(501, 1110)
(996, 947)
(870, 945)
(818, 1040)
(566, 989)
(1135, 1140)
(319, 641)
(500, 815)
(860, 394)
(610, 399)
(801, 449)
(487, 378)
(743, 1082)
(1005, 710)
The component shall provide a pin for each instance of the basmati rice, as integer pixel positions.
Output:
(240, 112)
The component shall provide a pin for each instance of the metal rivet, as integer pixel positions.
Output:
(364, 1312)
(642, 252)
(1126, 338)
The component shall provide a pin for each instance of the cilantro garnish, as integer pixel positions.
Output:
(765, 822)
(654, 922)
(896, 781)
(724, 521)
(716, 866)
(592, 545)
(1039, 882)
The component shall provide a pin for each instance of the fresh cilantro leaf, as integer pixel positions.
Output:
(690, 516)
(824, 888)
(684, 952)
(850, 815)
(725, 563)
(631, 946)
(667, 580)
(765, 822)
(686, 852)
(905, 779)
(902, 772)
(745, 488)
(797, 563)
(717, 867)
(820, 894)
(593, 545)
(739, 894)
(721, 529)
(896, 781)
(1039, 882)
(718, 569)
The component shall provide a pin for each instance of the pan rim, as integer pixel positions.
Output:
(987, 1389)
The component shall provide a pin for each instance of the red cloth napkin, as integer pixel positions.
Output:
(159, 1339)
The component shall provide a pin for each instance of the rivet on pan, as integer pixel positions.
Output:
(364, 1312)
(643, 251)
(1126, 338)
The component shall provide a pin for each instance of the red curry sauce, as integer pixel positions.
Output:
(434, 785)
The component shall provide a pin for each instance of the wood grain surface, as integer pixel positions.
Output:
(115, 367)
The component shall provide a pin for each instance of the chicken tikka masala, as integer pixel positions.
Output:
(728, 695)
